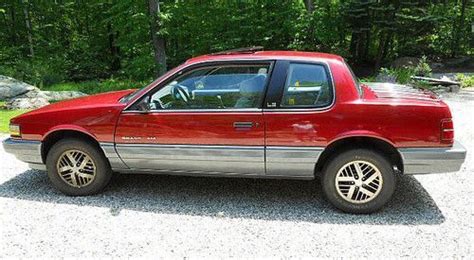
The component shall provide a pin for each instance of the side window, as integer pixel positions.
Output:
(218, 87)
(307, 86)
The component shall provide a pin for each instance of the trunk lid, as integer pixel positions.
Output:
(398, 91)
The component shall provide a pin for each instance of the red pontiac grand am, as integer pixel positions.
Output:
(247, 113)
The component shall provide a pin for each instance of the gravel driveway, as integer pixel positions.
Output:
(143, 215)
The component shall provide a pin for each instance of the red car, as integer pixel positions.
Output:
(247, 113)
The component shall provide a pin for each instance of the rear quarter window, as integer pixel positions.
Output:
(307, 86)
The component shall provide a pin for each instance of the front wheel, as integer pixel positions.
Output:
(358, 181)
(77, 168)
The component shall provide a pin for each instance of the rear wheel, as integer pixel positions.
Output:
(358, 181)
(77, 168)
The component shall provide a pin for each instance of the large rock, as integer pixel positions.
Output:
(20, 95)
(405, 62)
(62, 95)
(26, 103)
(454, 88)
(35, 93)
(10, 87)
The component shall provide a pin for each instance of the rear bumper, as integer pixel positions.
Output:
(433, 160)
(25, 150)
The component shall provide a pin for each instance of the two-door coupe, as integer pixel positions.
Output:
(247, 113)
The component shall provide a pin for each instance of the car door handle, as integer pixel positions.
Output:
(243, 125)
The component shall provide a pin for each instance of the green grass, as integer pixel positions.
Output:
(94, 86)
(5, 116)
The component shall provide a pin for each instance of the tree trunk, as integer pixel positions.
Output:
(13, 23)
(309, 6)
(458, 28)
(114, 49)
(353, 45)
(28, 26)
(157, 40)
(385, 39)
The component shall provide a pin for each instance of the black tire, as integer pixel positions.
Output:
(103, 172)
(335, 196)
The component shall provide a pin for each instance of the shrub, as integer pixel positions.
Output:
(422, 68)
(368, 79)
(94, 86)
(403, 75)
(466, 81)
(35, 72)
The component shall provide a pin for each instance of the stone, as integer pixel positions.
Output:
(26, 103)
(10, 87)
(454, 88)
(20, 95)
(439, 89)
(405, 62)
(436, 66)
(35, 93)
(62, 95)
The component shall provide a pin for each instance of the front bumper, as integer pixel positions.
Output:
(433, 160)
(25, 150)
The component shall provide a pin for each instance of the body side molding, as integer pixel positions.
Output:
(205, 158)
(288, 161)
(116, 163)
(216, 160)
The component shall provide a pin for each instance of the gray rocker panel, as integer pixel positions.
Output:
(281, 162)
(292, 161)
(205, 158)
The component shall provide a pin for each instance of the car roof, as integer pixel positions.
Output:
(267, 55)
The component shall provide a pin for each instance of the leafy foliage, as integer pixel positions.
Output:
(466, 81)
(94, 86)
(403, 75)
(49, 42)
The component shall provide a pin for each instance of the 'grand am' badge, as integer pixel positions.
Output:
(131, 138)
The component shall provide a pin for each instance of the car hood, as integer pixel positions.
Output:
(103, 99)
(107, 99)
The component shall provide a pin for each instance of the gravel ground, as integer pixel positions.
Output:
(429, 216)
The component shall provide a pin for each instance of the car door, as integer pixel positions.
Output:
(205, 119)
(297, 117)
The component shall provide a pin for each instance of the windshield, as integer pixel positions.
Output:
(138, 92)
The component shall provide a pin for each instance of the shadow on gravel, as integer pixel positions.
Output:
(282, 200)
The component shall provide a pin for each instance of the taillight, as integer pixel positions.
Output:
(447, 131)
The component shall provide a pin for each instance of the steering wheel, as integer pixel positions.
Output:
(180, 92)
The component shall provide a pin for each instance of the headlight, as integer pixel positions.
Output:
(15, 130)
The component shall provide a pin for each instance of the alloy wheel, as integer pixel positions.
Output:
(359, 182)
(76, 168)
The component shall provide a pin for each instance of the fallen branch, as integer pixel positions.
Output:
(444, 81)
